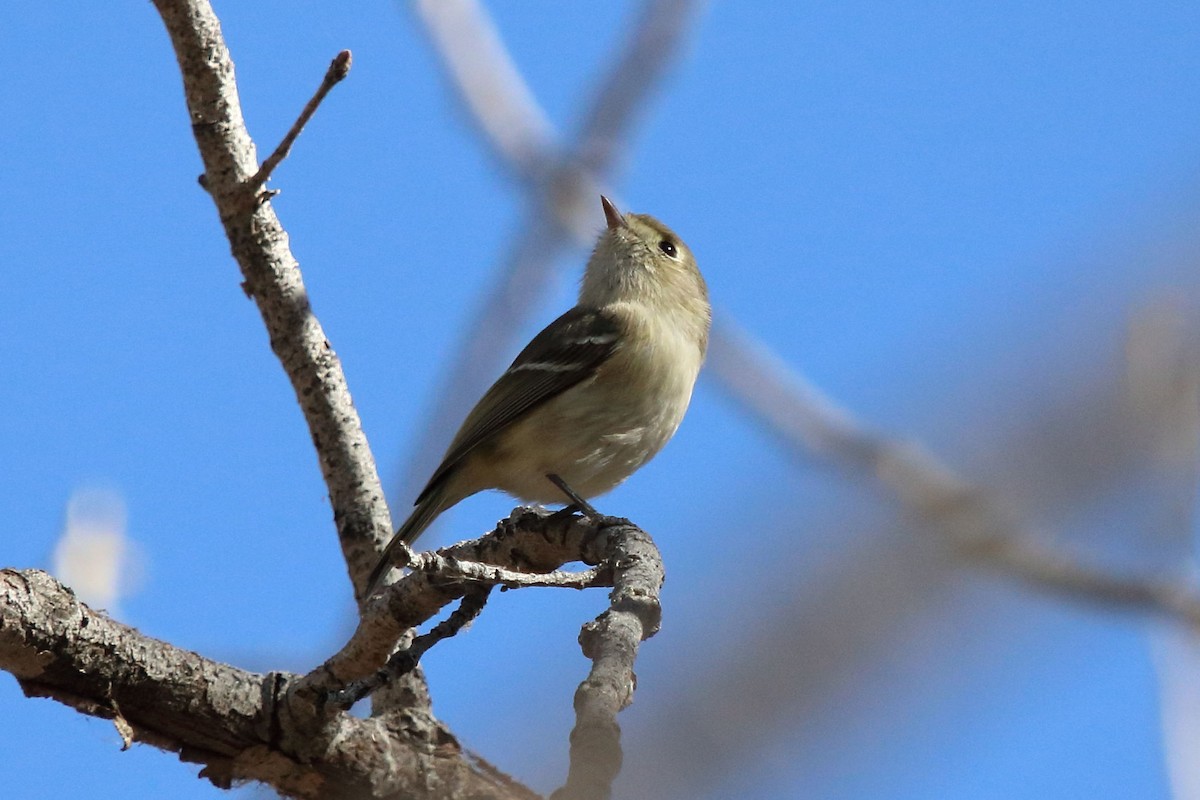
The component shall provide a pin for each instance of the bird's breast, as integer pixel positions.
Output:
(600, 431)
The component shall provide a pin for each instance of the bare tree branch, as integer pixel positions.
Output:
(488, 82)
(538, 540)
(339, 68)
(406, 659)
(294, 739)
(965, 516)
(508, 578)
(272, 279)
(523, 550)
(658, 37)
(239, 725)
(1048, 569)
(292, 732)
(611, 642)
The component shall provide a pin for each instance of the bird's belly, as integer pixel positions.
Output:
(591, 439)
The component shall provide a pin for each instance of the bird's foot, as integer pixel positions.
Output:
(577, 503)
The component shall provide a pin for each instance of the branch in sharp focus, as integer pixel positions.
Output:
(59, 648)
(453, 568)
(531, 541)
(611, 642)
(272, 278)
(239, 725)
(405, 660)
(339, 68)
(537, 539)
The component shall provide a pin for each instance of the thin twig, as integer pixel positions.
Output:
(448, 568)
(530, 541)
(339, 68)
(405, 660)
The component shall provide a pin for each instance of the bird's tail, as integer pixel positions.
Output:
(425, 513)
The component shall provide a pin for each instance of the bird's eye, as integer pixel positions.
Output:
(668, 247)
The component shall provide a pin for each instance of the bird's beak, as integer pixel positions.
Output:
(615, 220)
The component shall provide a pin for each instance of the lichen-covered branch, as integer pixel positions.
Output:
(408, 658)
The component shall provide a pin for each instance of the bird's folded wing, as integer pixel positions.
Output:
(568, 351)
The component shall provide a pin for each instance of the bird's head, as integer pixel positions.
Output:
(638, 259)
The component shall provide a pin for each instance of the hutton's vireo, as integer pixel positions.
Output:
(596, 394)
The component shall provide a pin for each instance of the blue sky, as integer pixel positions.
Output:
(944, 214)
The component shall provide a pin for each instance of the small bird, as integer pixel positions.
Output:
(596, 394)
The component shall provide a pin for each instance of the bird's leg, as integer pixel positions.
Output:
(577, 503)
(563, 513)
(600, 521)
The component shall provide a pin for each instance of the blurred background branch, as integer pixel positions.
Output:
(507, 115)
(970, 521)
(562, 181)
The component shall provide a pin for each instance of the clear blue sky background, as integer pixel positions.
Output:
(942, 213)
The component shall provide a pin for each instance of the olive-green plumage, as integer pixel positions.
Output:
(596, 394)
